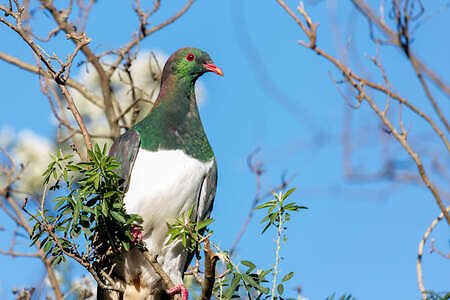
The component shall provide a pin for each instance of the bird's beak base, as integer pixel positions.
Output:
(213, 68)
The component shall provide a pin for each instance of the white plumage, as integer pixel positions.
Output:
(163, 185)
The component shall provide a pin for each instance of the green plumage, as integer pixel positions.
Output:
(174, 122)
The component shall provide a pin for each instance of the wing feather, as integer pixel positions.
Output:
(125, 150)
(207, 194)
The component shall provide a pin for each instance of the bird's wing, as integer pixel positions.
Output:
(207, 194)
(205, 202)
(125, 150)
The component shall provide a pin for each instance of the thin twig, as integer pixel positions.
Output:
(362, 6)
(420, 253)
(89, 95)
(126, 49)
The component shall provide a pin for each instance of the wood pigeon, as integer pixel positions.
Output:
(168, 167)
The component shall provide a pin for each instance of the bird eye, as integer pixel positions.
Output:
(190, 57)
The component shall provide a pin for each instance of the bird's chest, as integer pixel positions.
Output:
(163, 185)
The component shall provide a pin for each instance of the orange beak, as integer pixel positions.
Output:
(213, 68)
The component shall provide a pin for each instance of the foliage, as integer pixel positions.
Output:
(91, 213)
(188, 230)
(437, 296)
(343, 297)
(235, 283)
(251, 280)
(278, 213)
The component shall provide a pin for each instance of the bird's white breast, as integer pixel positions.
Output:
(163, 185)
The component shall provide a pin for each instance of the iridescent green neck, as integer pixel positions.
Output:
(174, 122)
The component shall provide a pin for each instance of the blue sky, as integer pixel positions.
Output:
(276, 95)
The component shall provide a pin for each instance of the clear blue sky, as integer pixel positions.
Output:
(355, 238)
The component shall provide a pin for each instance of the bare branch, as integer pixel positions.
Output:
(210, 271)
(89, 95)
(126, 49)
(420, 252)
(434, 249)
(359, 85)
(394, 39)
(62, 21)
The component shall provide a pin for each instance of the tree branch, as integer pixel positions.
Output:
(210, 271)
(126, 49)
(62, 21)
(89, 95)
(394, 39)
(359, 86)
(420, 252)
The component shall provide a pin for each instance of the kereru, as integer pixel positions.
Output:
(168, 167)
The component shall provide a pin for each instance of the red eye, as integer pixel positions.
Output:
(190, 57)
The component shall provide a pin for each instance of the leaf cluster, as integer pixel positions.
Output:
(90, 213)
(430, 295)
(186, 229)
(277, 211)
(343, 297)
(251, 281)
(254, 283)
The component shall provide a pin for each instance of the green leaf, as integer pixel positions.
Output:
(248, 264)
(57, 260)
(67, 210)
(117, 216)
(267, 204)
(280, 289)
(265, 219)
(61, 201)
(287, 194)
(36, 226)
(204, 223)
(104, 208)
(110, 194)
(60, 228)
(233, 286)
(183, 240)
(65, 175)
(287, 277)
(47, 245)
(126, 246)
(265, 228)
(76, 212)
(85, 165)
(249, 280)
(73, 168)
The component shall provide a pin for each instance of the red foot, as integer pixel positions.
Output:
(136, 232)
(181, 289)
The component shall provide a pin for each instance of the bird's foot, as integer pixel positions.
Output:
(181, 289)
(136, 232)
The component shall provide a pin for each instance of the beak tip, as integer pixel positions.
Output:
(213, 68)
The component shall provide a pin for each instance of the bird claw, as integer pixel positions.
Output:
(136, 232)
(181, 289)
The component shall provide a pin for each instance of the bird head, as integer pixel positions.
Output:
(189, 64)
